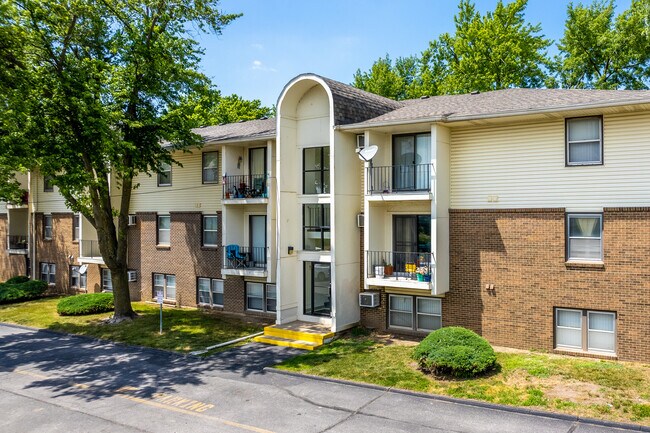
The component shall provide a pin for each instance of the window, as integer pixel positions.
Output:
(47, 226)
(107, 281)
(584, 141)
(316, 227)
(48, 273)
(47, 184)
(428, 313)
(76, 227)
(77, 279)
(166, 284)
(165, 175)
(589, 331)
(260, 297)
(210, 226)
(316, 170)
(585, 237)
(210, 292)
(164, 229)
(210, 167)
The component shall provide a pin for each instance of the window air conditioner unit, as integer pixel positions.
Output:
(132, 275)
(361, 141)
(132, 220)
(360, 220)
(369, 299)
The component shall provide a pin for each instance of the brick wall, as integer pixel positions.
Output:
(10, 265)
(522, 253)
(56, 250)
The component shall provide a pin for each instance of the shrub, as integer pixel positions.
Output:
(91, 303)
(17, 280)
(455, 351)
(16, 292)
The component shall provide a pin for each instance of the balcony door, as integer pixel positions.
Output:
(411, 162)
(411, 239)
(257, 224)
(257, 170)
(317, 289)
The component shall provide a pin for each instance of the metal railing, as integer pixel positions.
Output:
(245, 186)
(17, 242)
(399, 178)
(401, 265)
(90, 249)
(240, 257)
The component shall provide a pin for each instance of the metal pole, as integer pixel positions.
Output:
(160, 319)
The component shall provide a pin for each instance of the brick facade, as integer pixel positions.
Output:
(11, 265)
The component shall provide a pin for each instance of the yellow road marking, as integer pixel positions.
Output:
(163, 401)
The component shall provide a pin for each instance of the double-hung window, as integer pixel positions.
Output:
(585, 237)
(165, 174)
(47, 227)
(316, 170)
(588, 331)
(164, 229)
(210, 167)
(316, 227)
(47, 184)
(107, 281)
(260, 297)
(166, 284)
(76, 227)
(77, 279)
(48, 272)
(210, 228)
(210, 292)
(584, 141)
(414, 313)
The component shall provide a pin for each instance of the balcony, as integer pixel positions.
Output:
(24, 201)
(409, 270)
(245, 188)
(89, 252)
(396, 180)
(245, 261)
(17, 244)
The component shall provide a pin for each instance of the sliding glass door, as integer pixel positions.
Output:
(411, 162)
(317, 289)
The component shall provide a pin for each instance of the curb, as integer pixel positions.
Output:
(468, 402)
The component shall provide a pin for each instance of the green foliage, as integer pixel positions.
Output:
(17, 280)
(16, 292)
(399, 81)
(601, 51)
(90, 303)
(456, 352)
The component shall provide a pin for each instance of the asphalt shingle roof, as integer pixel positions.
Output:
(250, 130)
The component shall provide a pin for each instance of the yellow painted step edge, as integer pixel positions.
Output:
(287, 343)
(297, 335)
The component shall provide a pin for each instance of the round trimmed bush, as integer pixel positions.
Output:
(17, 280)
(455, 351)
(90, 303)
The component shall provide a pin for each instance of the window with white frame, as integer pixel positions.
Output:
(166, 284)
(165, 174)
(76, 227)
(415, 313)
(585, 237)
(210, 167)
(584, 330)
(48, 272)
(210, 229)
(77, 279)
(107, 281)
(164, 229)
(260, 297)
(210, 292)
(47, 227)
(584, 141)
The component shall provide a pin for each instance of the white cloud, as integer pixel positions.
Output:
(259, 66)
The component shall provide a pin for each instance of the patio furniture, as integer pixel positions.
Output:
(236, 259)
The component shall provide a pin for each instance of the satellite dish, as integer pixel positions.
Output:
(367, 153)
(83, 269)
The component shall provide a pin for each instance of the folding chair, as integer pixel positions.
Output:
(235, 258)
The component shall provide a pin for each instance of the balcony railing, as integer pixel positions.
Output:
(245, 186)
(401, 265)
(399, 178)
(90, 249)
(240, 257)
(17, 242)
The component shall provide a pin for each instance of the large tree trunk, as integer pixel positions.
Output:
(121, 295)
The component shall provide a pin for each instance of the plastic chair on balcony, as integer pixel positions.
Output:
(236, 259)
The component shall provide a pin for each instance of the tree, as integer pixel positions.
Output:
(601, 51)
(395, 82)
(104, 78)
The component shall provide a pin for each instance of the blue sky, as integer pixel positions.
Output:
(276, 40)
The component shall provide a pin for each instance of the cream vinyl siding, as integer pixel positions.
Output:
(187, 192)
(524, 166)
(46, 202)
(3, 207)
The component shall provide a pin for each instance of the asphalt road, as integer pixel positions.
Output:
(59, 383)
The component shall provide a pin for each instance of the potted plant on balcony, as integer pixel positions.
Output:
(423, 274)
(388, 270)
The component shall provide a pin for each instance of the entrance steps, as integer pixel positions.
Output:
(300, 335)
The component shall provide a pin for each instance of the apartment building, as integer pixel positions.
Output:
(523, 214)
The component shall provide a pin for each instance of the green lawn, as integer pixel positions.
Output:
(618, 391)
(184, 330)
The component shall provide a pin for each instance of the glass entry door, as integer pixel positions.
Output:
(257, 225)
(411, 162)
(318, 289)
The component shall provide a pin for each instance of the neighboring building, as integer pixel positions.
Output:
(523, 214)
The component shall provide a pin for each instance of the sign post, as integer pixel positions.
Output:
(159, 299)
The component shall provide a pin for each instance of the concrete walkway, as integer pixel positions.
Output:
(51, 382)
